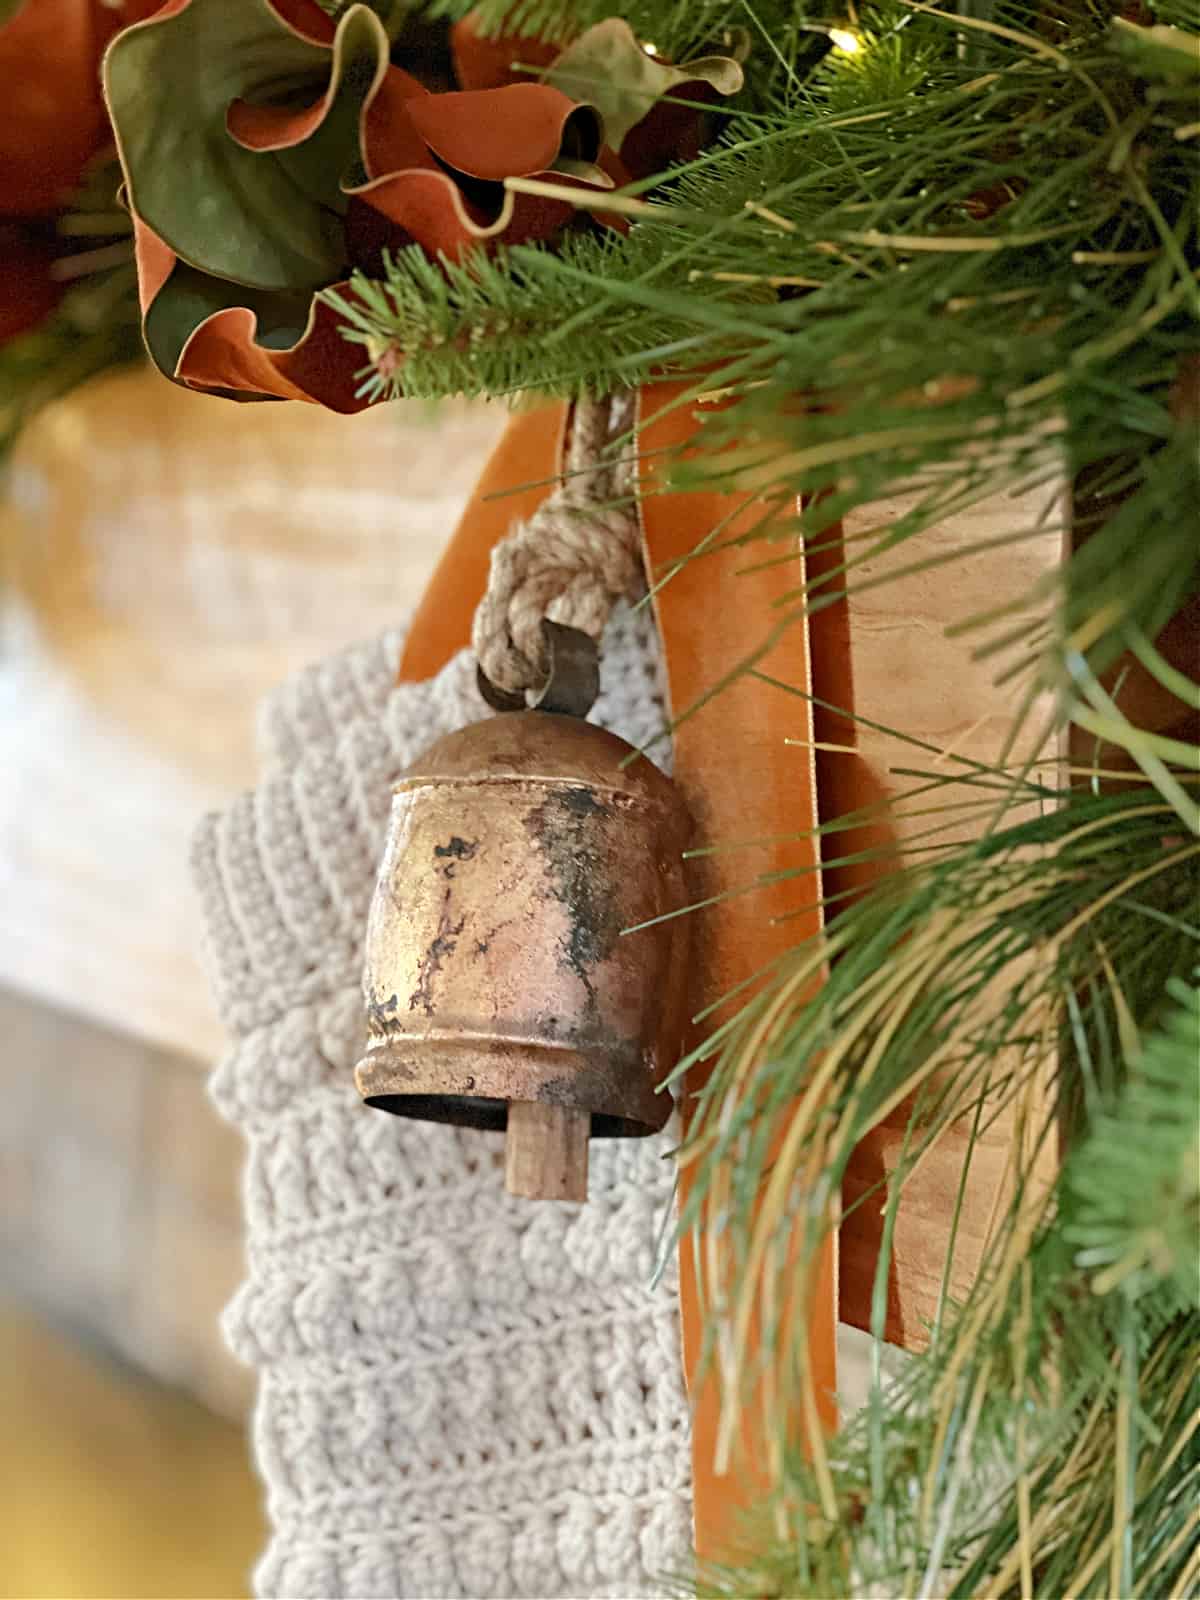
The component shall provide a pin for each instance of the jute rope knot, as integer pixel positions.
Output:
(570, 562)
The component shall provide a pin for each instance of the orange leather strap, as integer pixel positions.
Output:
(518, 476)
(743, 783)
(740, 778)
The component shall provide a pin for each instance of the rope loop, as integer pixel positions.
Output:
(570, 562)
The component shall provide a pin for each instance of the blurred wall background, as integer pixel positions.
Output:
(167, 559)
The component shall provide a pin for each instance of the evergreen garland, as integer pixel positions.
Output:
(1016, 245)
(971, 245)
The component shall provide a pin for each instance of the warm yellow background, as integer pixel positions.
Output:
(112, 1485)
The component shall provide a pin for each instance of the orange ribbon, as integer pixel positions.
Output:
(740, 779)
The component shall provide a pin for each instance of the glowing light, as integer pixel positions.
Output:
(650, 49)
(845, 41)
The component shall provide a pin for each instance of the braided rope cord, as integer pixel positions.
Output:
(571, 561)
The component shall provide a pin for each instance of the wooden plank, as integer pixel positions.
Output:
(168, 559)
(910, 675)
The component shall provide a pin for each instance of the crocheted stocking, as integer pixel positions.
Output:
(460, 1393)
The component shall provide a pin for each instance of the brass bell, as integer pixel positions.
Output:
(517, 972)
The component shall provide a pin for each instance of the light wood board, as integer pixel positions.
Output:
(169, 559)
(912, 675)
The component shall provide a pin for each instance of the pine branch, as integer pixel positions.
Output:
(1132, 1189)
(988, 1468)
(975, 278)
(491, 325)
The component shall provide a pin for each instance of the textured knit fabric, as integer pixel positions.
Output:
(460, 1393)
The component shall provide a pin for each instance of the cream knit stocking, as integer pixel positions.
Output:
(460, 1393)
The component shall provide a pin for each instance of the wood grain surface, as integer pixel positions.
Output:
(168, 559)
(910, 674)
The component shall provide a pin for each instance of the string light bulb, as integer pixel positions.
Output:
(650, 49)
(848, 43)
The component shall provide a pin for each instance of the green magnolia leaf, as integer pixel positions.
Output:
(267, 218)
(585, 171)
(189, 298)
(607, 68)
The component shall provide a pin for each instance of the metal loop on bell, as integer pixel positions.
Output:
(572, 682)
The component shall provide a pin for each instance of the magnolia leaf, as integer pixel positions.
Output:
(607, 68)
(188, 298)
(255, 346)
(270, 218)
(394, 14)
(51, 119)
(585, 171)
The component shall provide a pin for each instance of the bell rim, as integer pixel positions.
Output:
(441, 1066)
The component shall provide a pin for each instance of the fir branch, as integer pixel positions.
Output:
(1027, 232)
(1132, 1188)
(1029, 1388)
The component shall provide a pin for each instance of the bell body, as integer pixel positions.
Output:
(500, 969)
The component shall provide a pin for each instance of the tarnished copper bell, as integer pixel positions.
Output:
(516, 973)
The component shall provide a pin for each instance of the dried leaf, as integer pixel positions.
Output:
(607, 68)
(51, 115)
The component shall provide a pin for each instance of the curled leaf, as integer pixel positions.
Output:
(51, 116)
(609, 69)
(268, 151)
(236, 125)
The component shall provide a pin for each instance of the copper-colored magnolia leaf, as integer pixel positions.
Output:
(188, 298)
(244, 344)
(28, 293)
(455, 198)
(487, 61)
(495, 134)
(267, 151)
(51, 118)
(607, 68)
(268, 217)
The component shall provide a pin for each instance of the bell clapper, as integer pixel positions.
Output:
(546, 1151)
